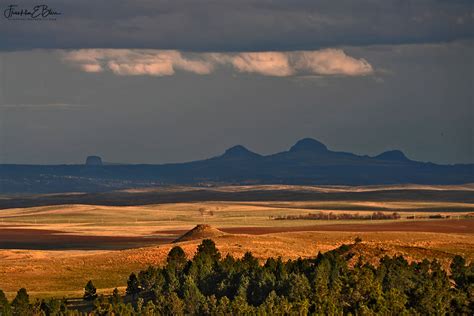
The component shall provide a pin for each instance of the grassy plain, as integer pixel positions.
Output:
(54, 250)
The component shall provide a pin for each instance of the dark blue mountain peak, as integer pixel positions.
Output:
(393, 155)
(93, 161)
(308, 145)
(239, 151)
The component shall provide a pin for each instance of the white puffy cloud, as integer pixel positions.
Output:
(92, 67)
(331, 62)
(135, 62)
(166, 62)
(265, 63)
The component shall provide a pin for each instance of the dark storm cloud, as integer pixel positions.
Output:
(239, 25)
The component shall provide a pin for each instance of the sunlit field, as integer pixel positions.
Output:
(54, 250)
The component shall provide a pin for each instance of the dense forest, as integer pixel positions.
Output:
(326, 284)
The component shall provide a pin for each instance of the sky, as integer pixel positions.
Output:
(175, 81)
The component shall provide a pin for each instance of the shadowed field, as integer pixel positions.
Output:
(180, 194)
(44, 239)
(26, 238)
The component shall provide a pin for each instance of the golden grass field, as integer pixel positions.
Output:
(113, 241)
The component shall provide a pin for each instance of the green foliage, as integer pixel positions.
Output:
(177, 258)
(53, 307)
(462, 274)
(102, 306)
(90, 292)
(207, 249)
(174, 305)
(325, 285)
(116, 299)
(133, 285)
(21, 303)
(5, 309)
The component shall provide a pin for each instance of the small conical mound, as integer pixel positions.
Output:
(201, 231)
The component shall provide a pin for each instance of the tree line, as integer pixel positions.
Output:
(340, 216)
(325, 285)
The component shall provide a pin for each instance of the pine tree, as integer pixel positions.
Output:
(458, 272)
(174, 305)
(102, 306)
(204, 265)
(208, 285)
(207, 248)
(133, 286)
(192, 297)
(53, 307)
(90, 292)
(116, 298)
(149, 309)
(147, 278)
(177, 258)
(21, 303)
(5, 309)
(298, 287)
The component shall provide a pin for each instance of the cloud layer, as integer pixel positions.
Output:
(244, 25)
(167, 62)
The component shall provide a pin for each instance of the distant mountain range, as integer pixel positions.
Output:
(307, 162)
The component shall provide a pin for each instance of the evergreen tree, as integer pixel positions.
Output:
(147, 278)
(90, 292)
(224, 306)
(193, 298)
(21, 303)
(320, 286)
(102, 306)
(174, 305)
(298, 287)
(53, 307)
(116, 299)
(204, 265)
(133, 286)
(208, 285)
(177, 258)
(209, 306)
(172, 280)
(461, 274)
(261, 284)
(249, 262)
(4, 305)
(207, 248)
(149, 309)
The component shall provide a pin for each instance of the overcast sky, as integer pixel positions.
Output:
(172, 81)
